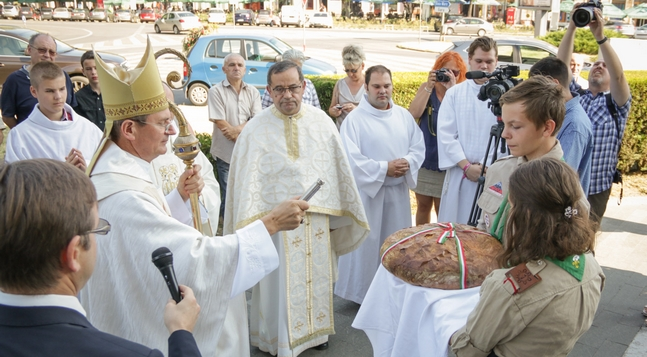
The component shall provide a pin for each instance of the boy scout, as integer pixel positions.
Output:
(532, 113)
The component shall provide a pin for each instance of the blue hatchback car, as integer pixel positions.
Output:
(259, 51)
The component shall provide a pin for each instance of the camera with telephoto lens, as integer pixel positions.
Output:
(500, 82)
(441, 75)
(585, 13)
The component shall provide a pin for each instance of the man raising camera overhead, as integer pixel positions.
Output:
(607, 103)
(464, 124)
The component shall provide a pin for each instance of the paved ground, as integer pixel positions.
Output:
(617, 329)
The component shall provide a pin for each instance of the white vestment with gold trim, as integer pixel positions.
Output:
(277, 157)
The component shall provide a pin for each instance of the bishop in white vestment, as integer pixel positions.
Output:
(277, 157)
(127, 292)
(373, 137)
(464, 124)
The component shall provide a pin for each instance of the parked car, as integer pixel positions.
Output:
(14, 41)
(292, 15)
(519, 52)
(46, 13)
(266, 18)
(124, 15)
(621, 27)
(62, 13)
(468, 26)
(10, 12)
(245, 16)
(259, 51)
(217, 16)
(641, 32)
(177, 21)
(80, 15)
(27, 12)
(149, 15)
(100, 14)
(448, 20)
(320, 19)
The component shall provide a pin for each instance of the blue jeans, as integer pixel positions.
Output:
(222, 168)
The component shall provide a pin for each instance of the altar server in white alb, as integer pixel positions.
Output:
(126, 290)
(464, 124)
(53, 130)
(385, 149)
(280, 154)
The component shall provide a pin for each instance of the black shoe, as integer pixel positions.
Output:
(322, 347)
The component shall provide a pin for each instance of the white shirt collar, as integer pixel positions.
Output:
(66, 301)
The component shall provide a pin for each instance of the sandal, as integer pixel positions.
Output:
(645, 311)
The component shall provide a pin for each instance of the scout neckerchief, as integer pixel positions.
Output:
(499, 224)
(573, 265)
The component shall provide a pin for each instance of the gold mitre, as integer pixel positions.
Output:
(129, 93)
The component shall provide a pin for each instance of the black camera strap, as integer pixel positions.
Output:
(617, 175)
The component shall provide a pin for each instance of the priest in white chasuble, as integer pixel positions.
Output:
(281, 152)
(126, 293)
(385, 149)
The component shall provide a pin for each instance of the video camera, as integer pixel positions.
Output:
(500, 82)
(584, 14)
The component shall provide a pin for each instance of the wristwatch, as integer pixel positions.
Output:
(602, 40)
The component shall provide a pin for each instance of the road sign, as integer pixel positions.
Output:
(442, 9)
(441, 3)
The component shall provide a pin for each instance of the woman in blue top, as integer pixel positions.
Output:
(425, 106)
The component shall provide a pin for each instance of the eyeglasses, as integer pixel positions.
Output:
(351, 70)
(43, 51)
(167, 127)
(282, 90)
(102, 229)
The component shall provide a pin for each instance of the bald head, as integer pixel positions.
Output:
(233, 56)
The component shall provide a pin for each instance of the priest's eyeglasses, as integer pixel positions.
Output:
(103, 228)
(167, 127)
(282, 90)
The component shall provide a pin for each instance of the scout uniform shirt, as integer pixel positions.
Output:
(493, 200)
(547, 319)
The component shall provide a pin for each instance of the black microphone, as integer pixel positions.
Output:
(163, 260)
(476, 74)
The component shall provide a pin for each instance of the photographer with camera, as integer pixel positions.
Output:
(607, 112)
(449, 69)
(464, 124)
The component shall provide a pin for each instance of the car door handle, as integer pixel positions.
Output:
(214, 67)
(253, 70)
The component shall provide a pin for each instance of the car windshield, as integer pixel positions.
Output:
(147, 11)
(321, 15)
(79, 10)
(186, 14)
(282, 46)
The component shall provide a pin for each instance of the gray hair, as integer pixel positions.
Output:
(230, 56)
(353, 55)
(294, 56)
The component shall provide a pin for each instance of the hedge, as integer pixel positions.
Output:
(633, 153)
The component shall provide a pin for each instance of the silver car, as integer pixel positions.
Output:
(10, 12)
(177, 21)
(641, 32)
(100, 14)
(62, 13)
(468, 26)
(519, 52)
(621, 27)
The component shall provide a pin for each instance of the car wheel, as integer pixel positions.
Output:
(79, 82)
(176, 30)
(157, 29)
(449, 31)
(481, 33)
(198, 94)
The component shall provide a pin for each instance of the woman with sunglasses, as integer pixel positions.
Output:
(349, 90)
(425, 106)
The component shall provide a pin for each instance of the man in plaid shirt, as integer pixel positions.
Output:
(309, 93)
(606, 76)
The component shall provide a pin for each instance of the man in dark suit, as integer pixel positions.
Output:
(48, 223)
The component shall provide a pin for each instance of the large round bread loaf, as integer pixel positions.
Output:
(416, 257)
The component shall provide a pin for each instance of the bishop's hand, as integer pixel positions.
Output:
(190, 182)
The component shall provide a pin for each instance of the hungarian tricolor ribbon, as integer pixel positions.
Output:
(450, 232)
